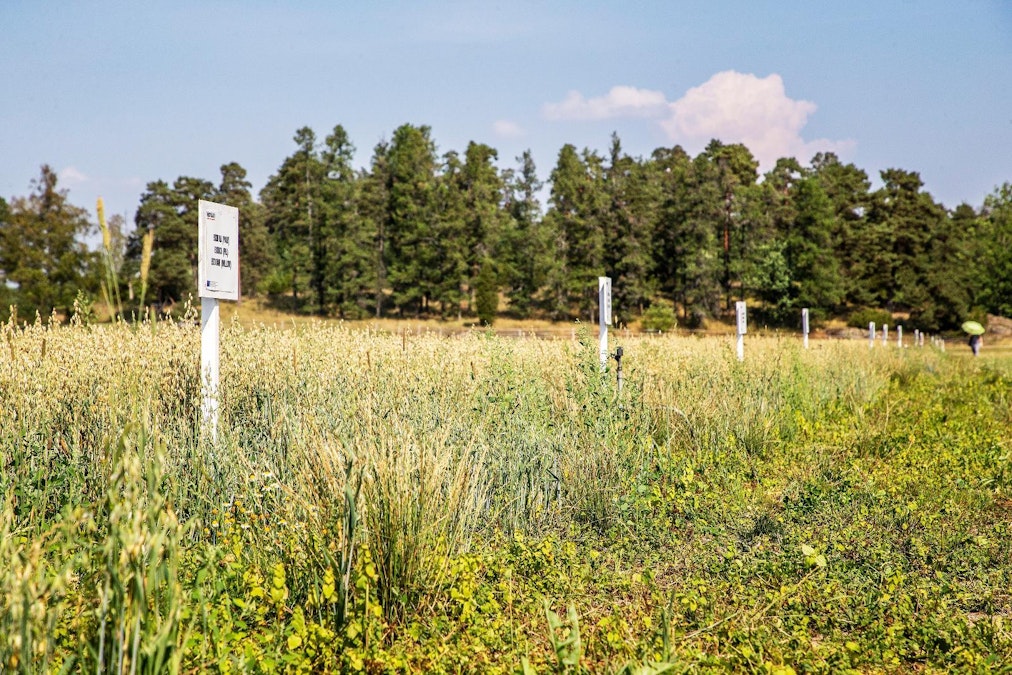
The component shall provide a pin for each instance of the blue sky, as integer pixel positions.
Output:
(116, 94)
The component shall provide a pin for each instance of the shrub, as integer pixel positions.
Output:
(862, 317)
(660, 317)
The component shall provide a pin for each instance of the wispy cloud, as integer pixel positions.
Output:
(72, 175)
(620, 101)
(507, 129)
(731, 106)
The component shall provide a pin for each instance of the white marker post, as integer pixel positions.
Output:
(742, 326)
(899, 336)
(885, 334)
(217, 279)
(804, 326)
(604, 316)
(871, 334)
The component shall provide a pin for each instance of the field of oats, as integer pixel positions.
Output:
(390, 503)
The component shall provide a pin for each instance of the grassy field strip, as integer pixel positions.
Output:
(389, 503)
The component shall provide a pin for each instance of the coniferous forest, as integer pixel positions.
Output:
(425, 233)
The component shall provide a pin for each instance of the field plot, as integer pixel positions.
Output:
(475, 504)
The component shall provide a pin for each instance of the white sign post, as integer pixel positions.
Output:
(742, 327)
(871, 334)
(604, 317)
(804, 326)
(217, 279)
(885, 334)
(899, 336)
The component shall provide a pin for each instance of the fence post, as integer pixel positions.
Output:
(804, 326)
(604, 317)
(742, 327)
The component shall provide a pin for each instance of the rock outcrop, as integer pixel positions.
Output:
(999, 325)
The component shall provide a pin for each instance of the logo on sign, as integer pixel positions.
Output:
(209, 215)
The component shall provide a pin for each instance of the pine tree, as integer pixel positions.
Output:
(294, 206)
(41, 248)
(632, 192)
(452, 280)
(410, 251)
(992, 269)
(374, 217)
(685, 237)
(893, 259)
(814, 269)
(525, 260)
(171, 214)
(847, 188)
(483, 189)
(574, 216)
(734, 174)
(345, 247)
(256, 249)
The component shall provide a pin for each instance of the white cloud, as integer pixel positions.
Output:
(731, 106)
(72, 175)
(507, 129)
(742, 108)
(620, 101)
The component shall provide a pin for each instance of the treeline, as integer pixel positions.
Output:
(418, 233)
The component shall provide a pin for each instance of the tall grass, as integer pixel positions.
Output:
(336, 444)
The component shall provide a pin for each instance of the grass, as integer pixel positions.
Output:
(420, 502)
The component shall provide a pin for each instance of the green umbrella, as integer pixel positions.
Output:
(973, 328)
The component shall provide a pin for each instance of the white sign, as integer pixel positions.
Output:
(218, 251)
(739, 308)
(604, 298)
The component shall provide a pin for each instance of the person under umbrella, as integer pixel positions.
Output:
(975, 343)
(975, 330)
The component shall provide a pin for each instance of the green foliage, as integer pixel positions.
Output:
(991, 266)
(486, 294)
(408, 235)
(41, 252)
(565, 640)
(577, 234)
(659, 317)
(170, 212)
(862, 317)
(527, 255)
